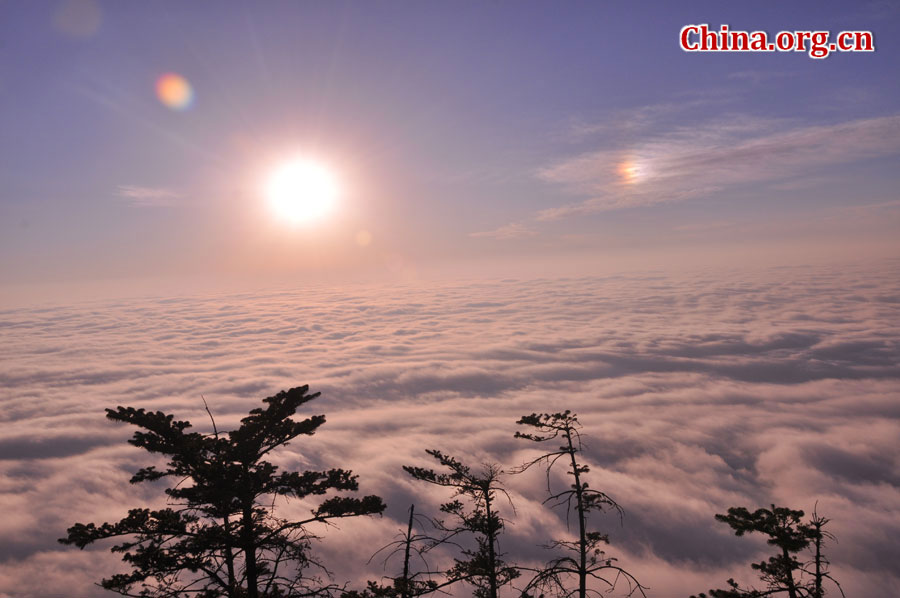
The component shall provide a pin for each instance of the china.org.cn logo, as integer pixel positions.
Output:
(817, 44)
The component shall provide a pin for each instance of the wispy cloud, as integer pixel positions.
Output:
(692, 162)
(705, 227)
(758, 76)
(513, 230)
(148, 197)
(638, 120)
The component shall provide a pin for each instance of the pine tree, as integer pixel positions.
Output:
(220, 536)
(783, 572)
(482, 567)
(414, 545)
(583, 559)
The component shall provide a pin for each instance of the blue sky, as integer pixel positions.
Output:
(463, 133)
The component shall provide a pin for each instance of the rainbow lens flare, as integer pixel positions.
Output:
(174, 91)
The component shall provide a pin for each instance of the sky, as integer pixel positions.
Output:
(537, 206)
(472, 137)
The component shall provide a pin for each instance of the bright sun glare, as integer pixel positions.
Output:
(302, 191)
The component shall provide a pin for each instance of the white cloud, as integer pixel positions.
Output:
(148, 197)
(513, 230)
(698, 392)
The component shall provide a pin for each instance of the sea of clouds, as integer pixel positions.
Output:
(697, 392)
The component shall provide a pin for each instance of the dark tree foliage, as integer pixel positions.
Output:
(783, 572)
(219, 536)
(583, 564)
(482, 567)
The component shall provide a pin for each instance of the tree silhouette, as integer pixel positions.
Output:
(782, 573)
(820, 563)
(220, 536)
(583, 559)
(409, 583)
(482, 567)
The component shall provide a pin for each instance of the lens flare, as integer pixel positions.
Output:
(174, 91)
(632, 171)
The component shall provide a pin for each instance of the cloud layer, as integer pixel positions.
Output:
(697, 392)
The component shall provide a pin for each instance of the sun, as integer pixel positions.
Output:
(302, 191)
